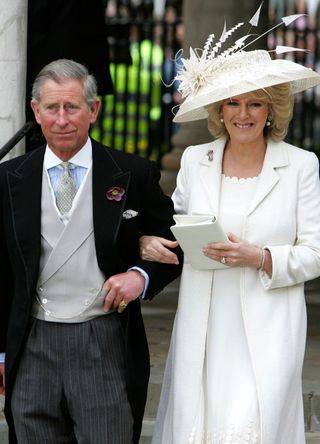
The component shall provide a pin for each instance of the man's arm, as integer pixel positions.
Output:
(158, 217)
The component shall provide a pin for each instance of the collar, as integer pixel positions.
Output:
(82, 158)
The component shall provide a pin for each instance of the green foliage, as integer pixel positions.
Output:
(136, 101)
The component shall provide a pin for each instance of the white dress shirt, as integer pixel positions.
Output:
(80, 165)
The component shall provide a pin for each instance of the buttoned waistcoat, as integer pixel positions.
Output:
(68, 251)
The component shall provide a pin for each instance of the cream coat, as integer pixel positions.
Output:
(285, 217)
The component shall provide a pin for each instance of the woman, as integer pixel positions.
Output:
(233, 373)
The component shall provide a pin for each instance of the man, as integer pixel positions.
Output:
(71, 213)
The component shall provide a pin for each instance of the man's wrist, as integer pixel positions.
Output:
(146, 279)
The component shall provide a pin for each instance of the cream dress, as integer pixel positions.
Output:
(229, 412)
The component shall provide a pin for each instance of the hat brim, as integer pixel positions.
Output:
(273, 73)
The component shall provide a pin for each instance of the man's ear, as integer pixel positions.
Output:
(35, 109)
(94, 109)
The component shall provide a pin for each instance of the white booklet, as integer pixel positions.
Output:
(193, 232)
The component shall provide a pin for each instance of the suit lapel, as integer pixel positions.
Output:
(51, 225)
(276, 157)
(25, 197)
(107, 214)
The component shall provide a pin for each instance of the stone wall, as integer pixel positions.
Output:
(13, 44)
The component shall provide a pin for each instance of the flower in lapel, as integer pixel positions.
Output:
(115, 193)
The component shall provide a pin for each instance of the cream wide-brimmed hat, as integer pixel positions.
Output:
(213, 76)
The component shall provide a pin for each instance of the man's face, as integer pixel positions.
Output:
(64, 116)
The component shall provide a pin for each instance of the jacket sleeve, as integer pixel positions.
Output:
(157, 218)
(6, 277)
(297, 263)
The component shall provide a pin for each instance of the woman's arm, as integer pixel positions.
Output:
(297, 263)
(157, 249)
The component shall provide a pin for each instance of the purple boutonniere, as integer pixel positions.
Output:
(115, 193)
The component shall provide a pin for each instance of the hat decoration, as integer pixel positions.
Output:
(212, 74)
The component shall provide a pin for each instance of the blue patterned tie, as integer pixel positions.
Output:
(66, 190)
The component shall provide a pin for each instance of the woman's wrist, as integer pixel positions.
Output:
(265, 261)
(268, 263)
(263, 254)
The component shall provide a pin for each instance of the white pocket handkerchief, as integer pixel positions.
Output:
(129, 214)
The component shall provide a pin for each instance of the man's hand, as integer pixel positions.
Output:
(2, 379)
(122, 289)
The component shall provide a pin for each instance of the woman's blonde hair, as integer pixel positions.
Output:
(280, 99)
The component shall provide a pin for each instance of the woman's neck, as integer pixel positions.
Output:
(243, 160)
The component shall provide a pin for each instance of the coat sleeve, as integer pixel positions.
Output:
(156, 219)
(297, 263)
(6, 277)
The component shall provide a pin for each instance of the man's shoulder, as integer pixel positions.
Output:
(16, 162)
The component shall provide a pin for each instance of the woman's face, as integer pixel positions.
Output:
(245, 118)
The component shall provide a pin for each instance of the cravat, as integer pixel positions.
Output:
(66, 190)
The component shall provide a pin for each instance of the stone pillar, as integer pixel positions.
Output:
(202, 18)
(13, 49)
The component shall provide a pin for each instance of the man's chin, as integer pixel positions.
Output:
(63, 150)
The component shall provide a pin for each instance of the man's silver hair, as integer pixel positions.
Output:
(64, 69)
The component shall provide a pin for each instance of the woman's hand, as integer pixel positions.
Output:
(156, 249)
(236, 253)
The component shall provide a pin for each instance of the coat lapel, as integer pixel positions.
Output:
(107, 214)
(211, 170)
(25, 196)
(276, 157)
(51, 224)
(210, 177)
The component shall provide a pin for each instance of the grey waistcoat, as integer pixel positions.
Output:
(70, 281)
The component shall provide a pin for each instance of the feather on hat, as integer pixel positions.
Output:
(210, 75)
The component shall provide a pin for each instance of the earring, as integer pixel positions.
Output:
(268, 122)
(221, 120)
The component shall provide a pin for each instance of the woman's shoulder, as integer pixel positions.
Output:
(296, 153)
(295, 150)
(203, 150)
